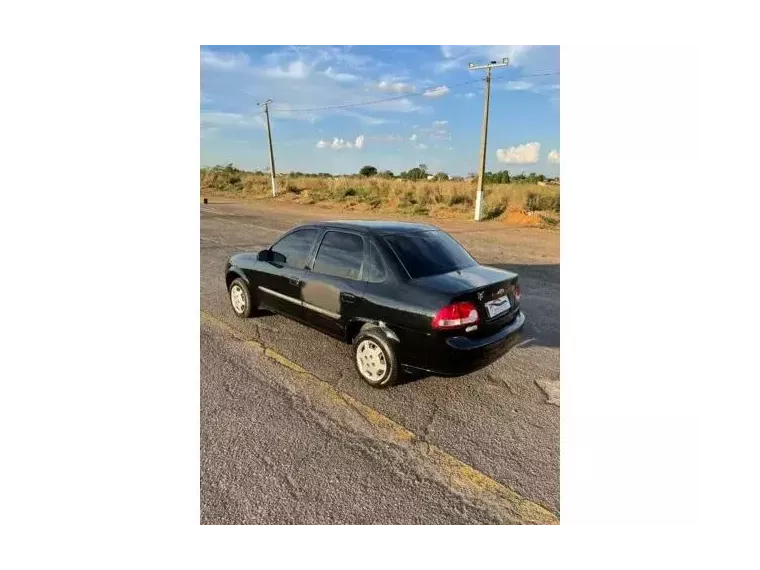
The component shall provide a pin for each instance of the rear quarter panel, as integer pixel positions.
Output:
(408, 312)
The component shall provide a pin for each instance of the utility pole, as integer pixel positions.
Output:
(271, 151)
(484, 138)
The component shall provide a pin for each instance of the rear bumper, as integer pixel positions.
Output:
(461, 355)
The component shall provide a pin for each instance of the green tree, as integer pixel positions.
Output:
(416, 173)
(441, 176)
(368, 171)
(387, 174)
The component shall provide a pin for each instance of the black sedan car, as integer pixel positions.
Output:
(405, 295)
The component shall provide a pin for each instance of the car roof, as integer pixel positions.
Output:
(376, 227)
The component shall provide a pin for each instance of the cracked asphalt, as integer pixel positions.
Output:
(273, 453)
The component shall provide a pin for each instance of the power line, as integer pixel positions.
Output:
(539, 74)
(363, 103)
(528, 75)
(403, 96)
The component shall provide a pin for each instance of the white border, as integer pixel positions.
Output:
(127, 283)
(632, 291)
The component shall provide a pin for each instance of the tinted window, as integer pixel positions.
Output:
(293, 249)
(375, 267)
(429, 253)
(341, 255)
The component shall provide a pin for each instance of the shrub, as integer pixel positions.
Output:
(535, 202)
(495, 207)
(549, 220)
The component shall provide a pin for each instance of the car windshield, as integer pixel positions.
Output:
(429, 253)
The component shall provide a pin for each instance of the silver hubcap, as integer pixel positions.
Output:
(371, 360)
(238, 298)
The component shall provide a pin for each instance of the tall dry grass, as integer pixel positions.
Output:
(422, 197)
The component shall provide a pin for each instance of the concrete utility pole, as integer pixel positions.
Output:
(271, 151)
(479, 196)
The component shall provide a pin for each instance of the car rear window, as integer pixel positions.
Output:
(429, 253)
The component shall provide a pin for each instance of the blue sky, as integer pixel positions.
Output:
(434, 114)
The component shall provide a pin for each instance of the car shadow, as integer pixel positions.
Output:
(539, 285)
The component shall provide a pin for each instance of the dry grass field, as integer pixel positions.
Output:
(517, 203)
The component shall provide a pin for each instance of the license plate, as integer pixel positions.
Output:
(498, 306)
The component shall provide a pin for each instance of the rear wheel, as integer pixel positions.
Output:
(375, 359)
(240, 298)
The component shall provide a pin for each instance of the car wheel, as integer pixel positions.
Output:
(240, 298)
(375, 359)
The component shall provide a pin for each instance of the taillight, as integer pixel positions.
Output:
(517, 292)
(456, 315)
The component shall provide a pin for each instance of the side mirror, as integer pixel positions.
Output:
(265, 255)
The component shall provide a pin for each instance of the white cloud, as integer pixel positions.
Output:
(366, 119)
(223, 61)
(338, 76)
(397, 87)
(519, 85)
(437, 92)
(554, 157)
(339, 55)
(469, 95)
(449, 65)
(522, 154)
(404, 105)
(422, 146)
(459, 56)
(340, 144)
(413, 137)
(440, 123)
(322, 82)
(294, 70)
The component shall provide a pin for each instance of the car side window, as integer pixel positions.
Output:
(341, 254)
(375, 266)
(293, 249)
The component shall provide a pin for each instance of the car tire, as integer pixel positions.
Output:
(375, 358)
(240, 298)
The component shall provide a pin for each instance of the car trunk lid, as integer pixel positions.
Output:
(493, 291)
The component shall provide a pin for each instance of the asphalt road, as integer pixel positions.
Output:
(290, 434)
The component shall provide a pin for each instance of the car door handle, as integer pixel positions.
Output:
(294, 280)
(348, 297)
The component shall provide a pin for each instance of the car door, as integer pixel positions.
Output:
(333, 287)
(281, 279)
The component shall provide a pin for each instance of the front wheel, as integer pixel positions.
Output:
(375, 359)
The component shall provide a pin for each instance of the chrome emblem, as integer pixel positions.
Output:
(480, 295)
